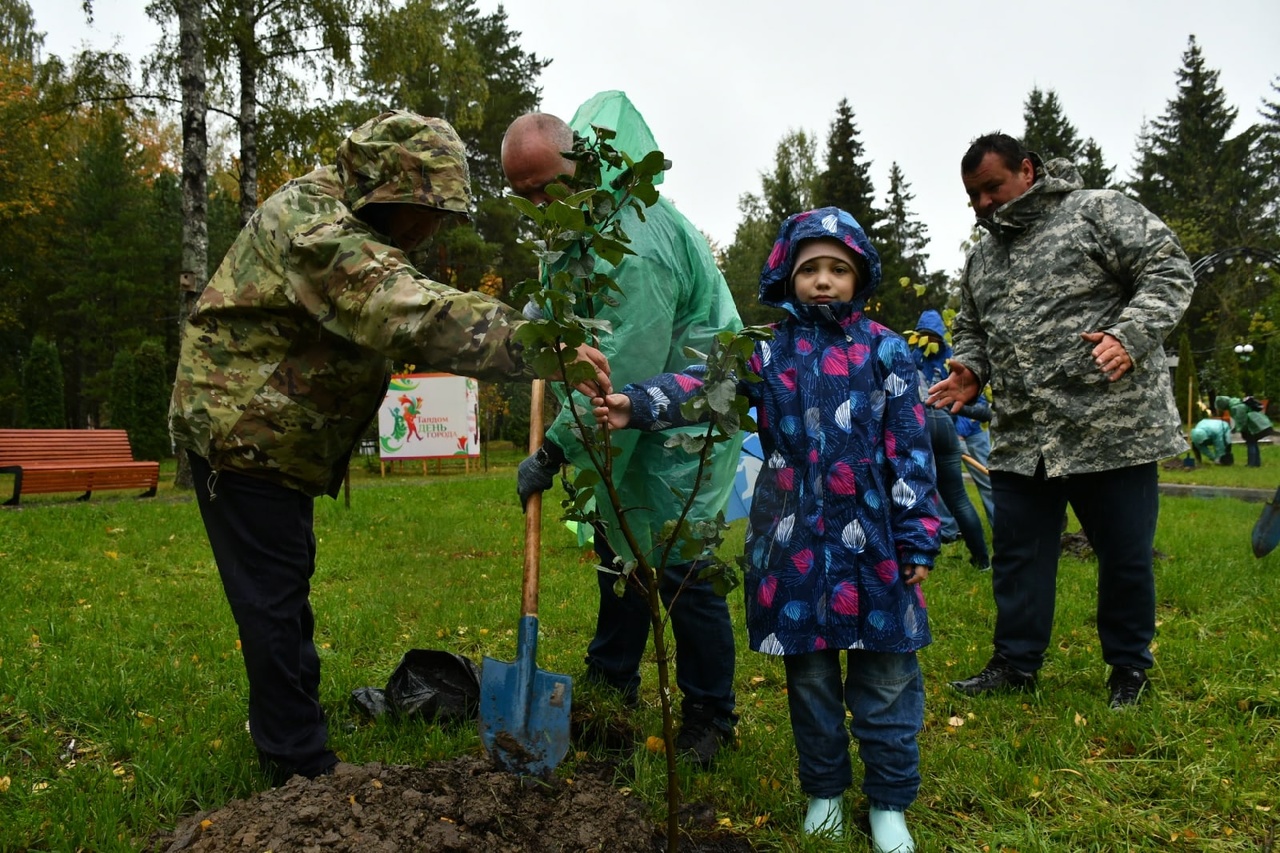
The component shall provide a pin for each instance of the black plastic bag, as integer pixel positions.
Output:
(435, 684)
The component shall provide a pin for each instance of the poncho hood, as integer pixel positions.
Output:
(775, 278)
(405, 158)
(613, 109)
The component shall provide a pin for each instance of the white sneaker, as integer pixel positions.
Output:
(825, 817)
(889, 832)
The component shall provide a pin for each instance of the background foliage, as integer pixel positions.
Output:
(90, 196)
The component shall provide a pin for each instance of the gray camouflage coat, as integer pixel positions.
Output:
(1057, 261)
(286, 354)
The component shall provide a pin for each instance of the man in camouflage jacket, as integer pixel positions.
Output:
(1065, 305)
(284, 362)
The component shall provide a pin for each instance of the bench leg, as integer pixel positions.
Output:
(149, 493)
(85, 496)
(16, 471)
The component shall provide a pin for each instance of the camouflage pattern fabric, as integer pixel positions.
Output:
(1058, 261)
(285, 355)
(404, 157)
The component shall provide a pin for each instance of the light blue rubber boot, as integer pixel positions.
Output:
(889, 832)
(825, 817)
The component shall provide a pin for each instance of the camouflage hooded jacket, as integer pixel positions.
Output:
(285, 357)
(1057, 261)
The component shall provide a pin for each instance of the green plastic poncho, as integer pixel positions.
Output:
(674, 297)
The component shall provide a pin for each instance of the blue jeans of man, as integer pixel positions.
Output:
(264, 544)
(1118, 511)
(946, 456)
(885, 694)
(704, 650)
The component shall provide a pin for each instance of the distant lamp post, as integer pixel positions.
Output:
(1245, 351)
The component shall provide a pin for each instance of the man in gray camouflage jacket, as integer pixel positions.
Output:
(1065, 305)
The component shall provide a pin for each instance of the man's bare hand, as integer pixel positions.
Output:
(1109, 354)
(958, 389)
(596, 359)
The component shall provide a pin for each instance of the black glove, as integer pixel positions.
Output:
(537, 472)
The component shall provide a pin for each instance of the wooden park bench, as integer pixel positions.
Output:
(73, 460)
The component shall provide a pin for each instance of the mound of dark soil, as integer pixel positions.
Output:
(459, 805)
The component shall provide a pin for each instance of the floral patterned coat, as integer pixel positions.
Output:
(842, 503)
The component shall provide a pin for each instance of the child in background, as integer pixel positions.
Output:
(842, 525)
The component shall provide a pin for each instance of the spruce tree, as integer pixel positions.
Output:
(44, 405)
(1268, 163)
(846, 181)
(1208, 186)
(1095, 172)
(122, 413)
(904, 291)
(150, 434)
(1048, 133)
(1188, 161)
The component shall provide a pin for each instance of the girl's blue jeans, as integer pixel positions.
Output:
(885, 693)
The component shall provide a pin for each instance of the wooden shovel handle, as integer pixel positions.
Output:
(975, 463)
(533, 509)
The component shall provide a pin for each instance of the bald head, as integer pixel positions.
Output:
(532, 154)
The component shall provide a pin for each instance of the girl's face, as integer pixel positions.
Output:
(823, 279)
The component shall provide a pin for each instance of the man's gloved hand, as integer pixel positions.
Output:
(537, 472)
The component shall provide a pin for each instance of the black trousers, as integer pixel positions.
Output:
(1118, 511)
(263, 542)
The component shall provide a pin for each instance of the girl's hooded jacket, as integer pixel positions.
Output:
(842, 502)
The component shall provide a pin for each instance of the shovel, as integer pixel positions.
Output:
(524, 711)
(1266, 532)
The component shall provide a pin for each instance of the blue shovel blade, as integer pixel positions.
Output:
(1266, 532)
(524, 711)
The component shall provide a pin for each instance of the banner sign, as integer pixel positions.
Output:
(429, 416)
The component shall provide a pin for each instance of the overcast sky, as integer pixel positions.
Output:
(721, 81)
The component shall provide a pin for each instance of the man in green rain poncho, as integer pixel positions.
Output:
(673, 297)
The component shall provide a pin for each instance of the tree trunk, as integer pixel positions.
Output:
(195, 179)
(248, 114)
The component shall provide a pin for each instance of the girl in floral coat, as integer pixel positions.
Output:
(842, 528)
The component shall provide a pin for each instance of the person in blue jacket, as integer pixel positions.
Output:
(842, 526)
(931, 352)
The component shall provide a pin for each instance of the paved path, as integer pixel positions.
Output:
(1194, 491)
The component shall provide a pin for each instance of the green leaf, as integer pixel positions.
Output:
(647, 193)
(526, 208)
(720, 395)
(689, 443)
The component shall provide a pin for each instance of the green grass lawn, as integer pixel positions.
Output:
(122, 693)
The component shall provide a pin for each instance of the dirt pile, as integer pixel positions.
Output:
(459, 805)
